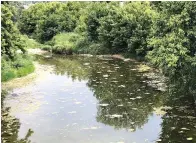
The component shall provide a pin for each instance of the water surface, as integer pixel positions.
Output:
(94, 100)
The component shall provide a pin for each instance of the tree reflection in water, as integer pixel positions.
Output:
(127, 101)
(179, 124)
(124, 100)
(10, 126)
(115, 84)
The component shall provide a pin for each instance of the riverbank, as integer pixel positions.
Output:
(25, 80)
(157, 80)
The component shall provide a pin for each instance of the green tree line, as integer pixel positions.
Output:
(162, 32)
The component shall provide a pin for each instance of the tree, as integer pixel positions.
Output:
(173, 37)
(10, 36)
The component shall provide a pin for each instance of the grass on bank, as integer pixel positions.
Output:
(30, 43)
(20, 66)
(68, 43)
(63, 43)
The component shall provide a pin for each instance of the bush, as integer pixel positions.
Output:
(44, 20)
(82, 45)
(63, 43)
(30, 43)
(60, 49)
(66, 39)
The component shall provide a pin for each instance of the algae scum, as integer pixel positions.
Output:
(97, 100)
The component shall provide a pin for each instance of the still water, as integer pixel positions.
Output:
(97, 100)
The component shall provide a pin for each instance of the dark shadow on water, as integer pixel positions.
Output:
(179, 124)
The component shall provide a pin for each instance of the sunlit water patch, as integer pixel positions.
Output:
(90, 100)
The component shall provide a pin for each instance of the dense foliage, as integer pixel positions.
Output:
(173, 36)
(12, 64)
(10, 38)
(44, 20)
(161, 32)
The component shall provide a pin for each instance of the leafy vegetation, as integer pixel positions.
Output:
(13, 64)
(63, 43)
(30, 43)
(172, 39)
(20, 66)
(162, 32)
(43, 20)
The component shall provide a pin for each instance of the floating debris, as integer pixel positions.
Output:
(94, 128)
(131, 130)
(105, 75)
(132, 98)
(143, 68)
(181, 132)
(167, 108)
(185, 129)
(121, 86)
(159, 140)
(146, 93)
(103, 104)
(138, 97)
(91, 128)
(120, 105)
(189, 139)
(126, 60)
(86, 64)
(114, 116)
(109, 71)
(78, 102)
(72, 112)
(159, 111)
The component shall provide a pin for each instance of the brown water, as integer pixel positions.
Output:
(92, 100)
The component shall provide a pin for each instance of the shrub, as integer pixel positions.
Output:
(30, 43)
(60, 49)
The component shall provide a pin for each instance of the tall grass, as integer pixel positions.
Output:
(20, 66)
(30, 43)
(63, 43)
